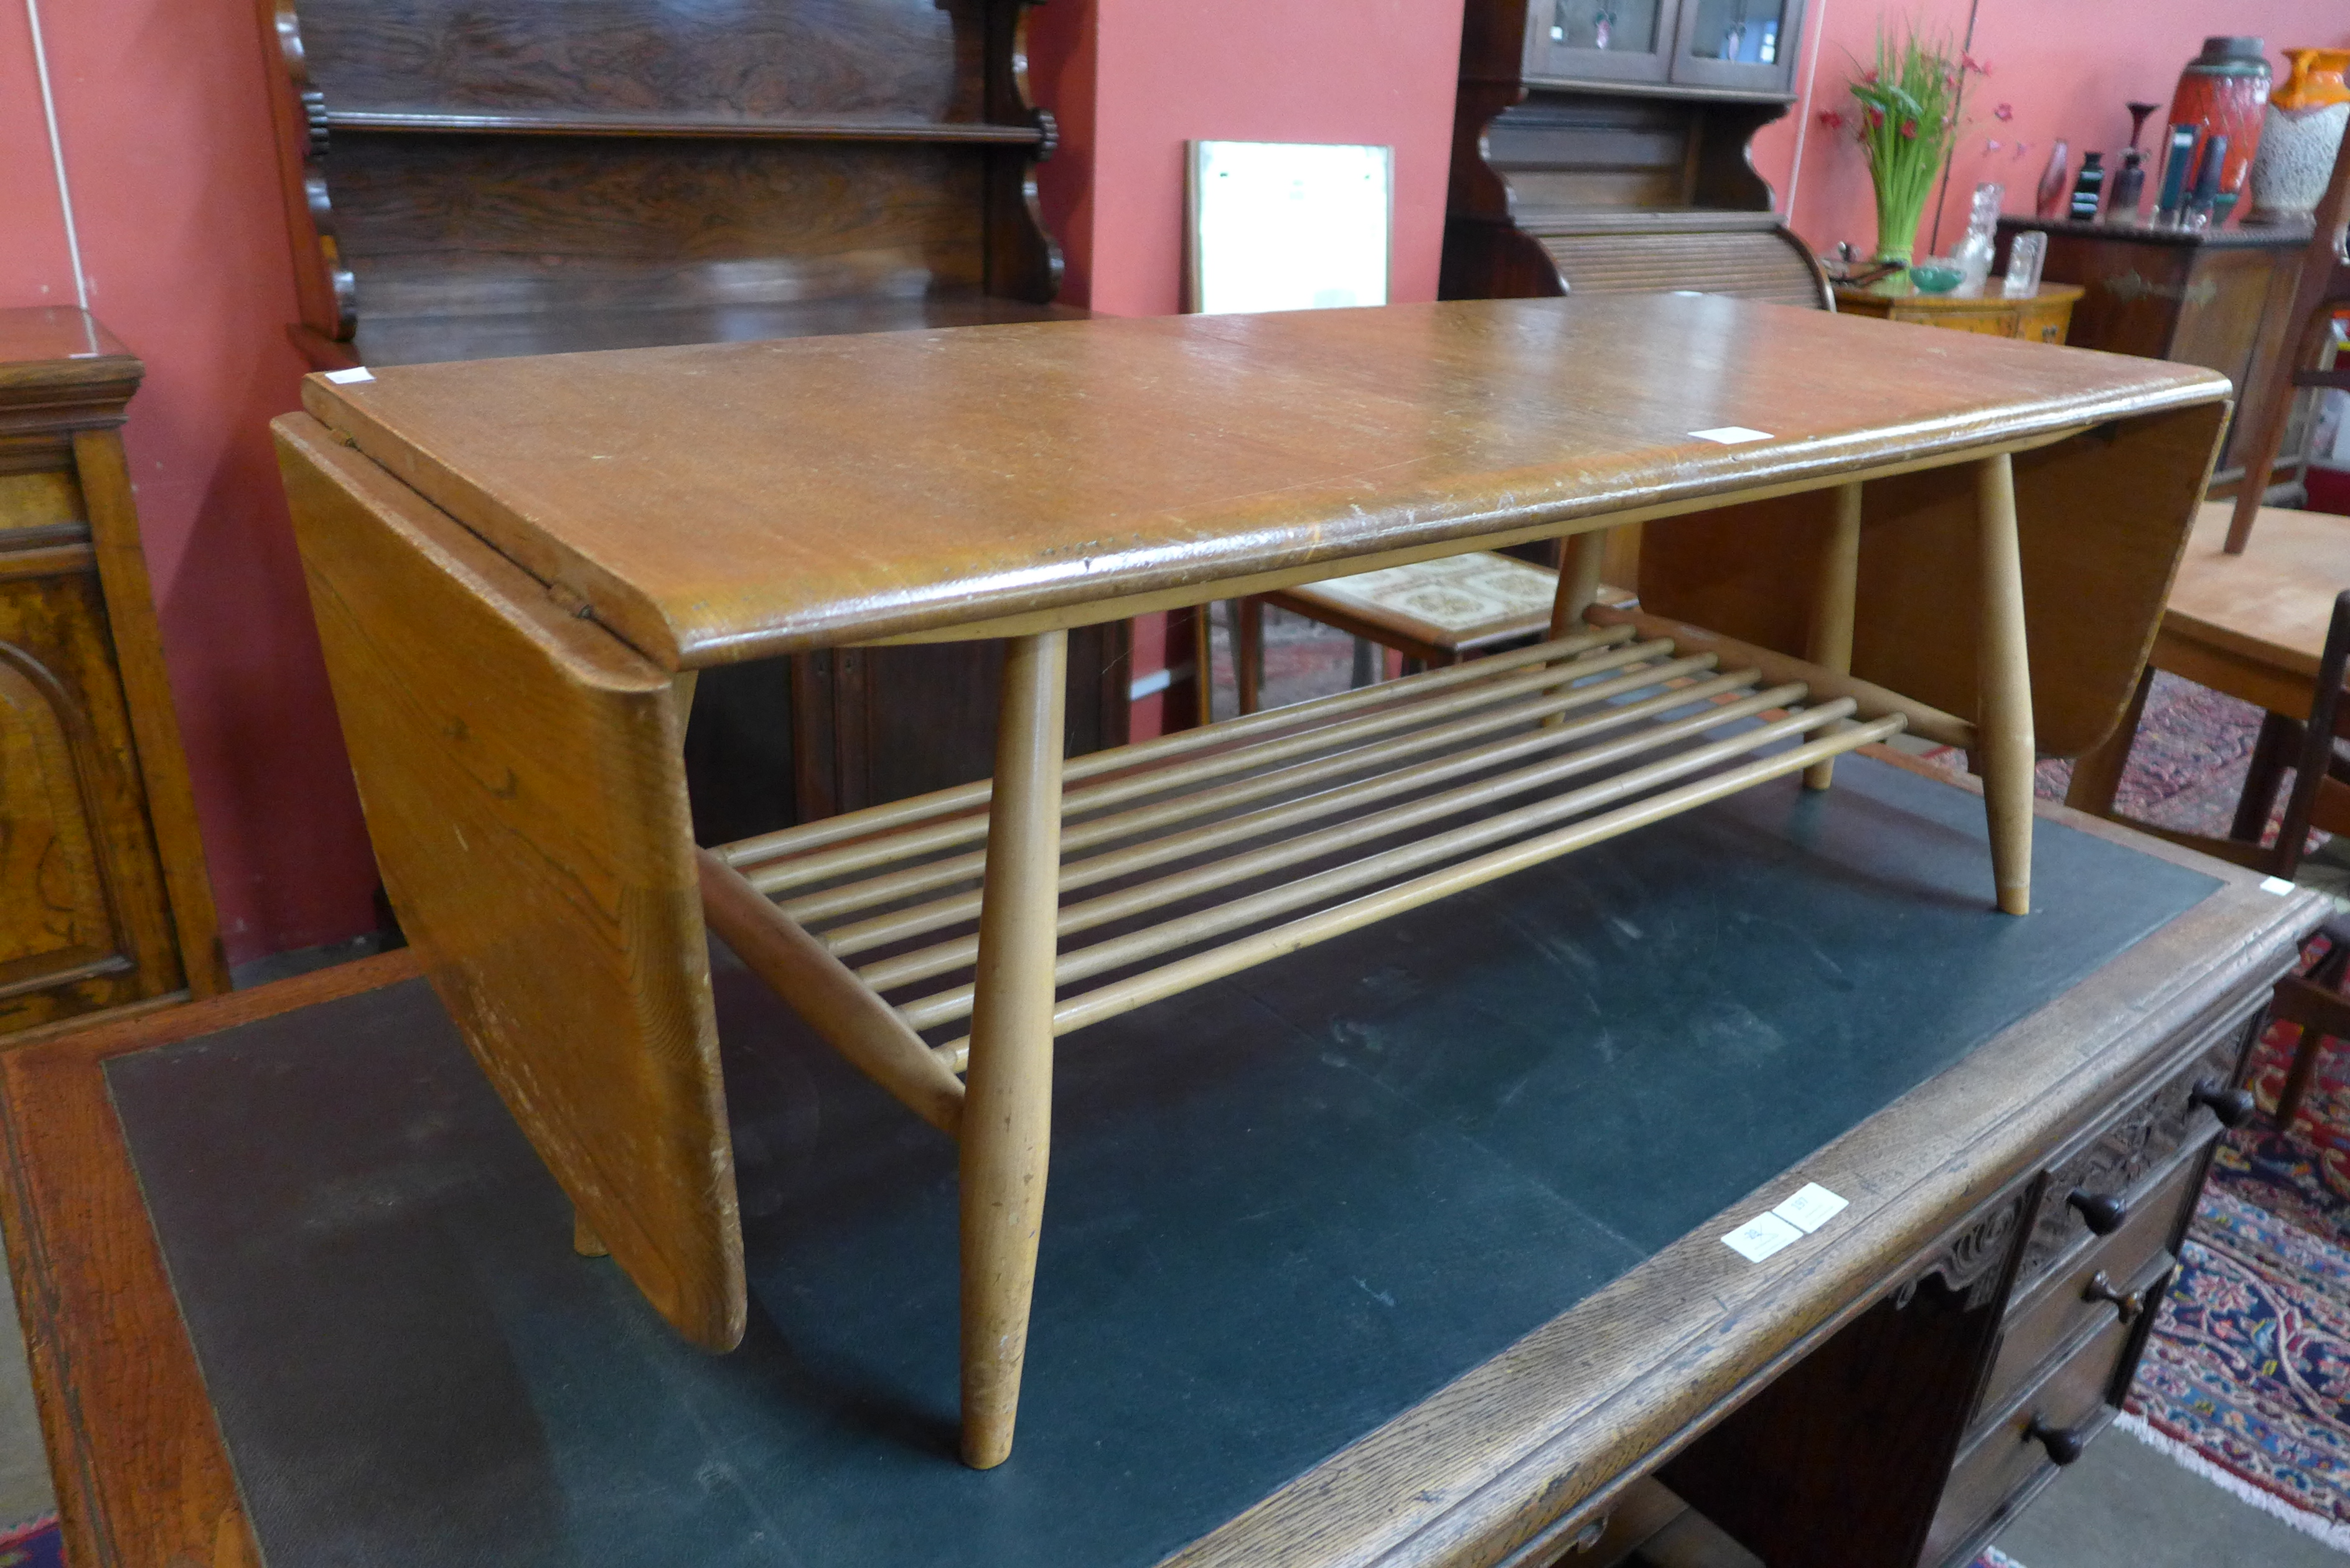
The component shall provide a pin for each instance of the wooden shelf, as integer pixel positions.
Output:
(441, 339)
(525, 124)
(1194, 857)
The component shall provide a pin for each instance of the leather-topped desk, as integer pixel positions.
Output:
(1412, 1257)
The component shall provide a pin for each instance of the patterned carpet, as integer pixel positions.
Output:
(2248, 1373)
(2187, 763)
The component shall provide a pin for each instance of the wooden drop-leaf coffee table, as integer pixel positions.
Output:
(519, 564)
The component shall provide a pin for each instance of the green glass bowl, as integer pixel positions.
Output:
(1933, 278)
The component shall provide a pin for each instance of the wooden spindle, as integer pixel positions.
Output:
(1578, 580)
(2003, 746)
(1008, 1110)
(1835, 594)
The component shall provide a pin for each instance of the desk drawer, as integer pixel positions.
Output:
(2006, 1465)
(2062, 1308)
(2138, 1140)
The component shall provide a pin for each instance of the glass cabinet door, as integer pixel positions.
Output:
(1600, 40)
(1749, 43)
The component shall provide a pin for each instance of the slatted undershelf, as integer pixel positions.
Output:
(1194, 857)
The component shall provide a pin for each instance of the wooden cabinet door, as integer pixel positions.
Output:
(1600, 40)
(1746, 44)
(84, 919)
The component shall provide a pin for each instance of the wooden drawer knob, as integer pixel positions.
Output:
(2233, 1107)
(2063, 1444)
(2101, 1211)
(2100, 1288)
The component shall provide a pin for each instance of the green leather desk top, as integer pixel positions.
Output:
(1284, 1207)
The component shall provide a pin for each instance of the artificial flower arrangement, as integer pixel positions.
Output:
(1906, 119)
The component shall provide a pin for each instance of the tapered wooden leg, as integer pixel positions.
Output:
(1578, 580)
(2005, 752)
(1578, 588)
(584, 1240)
(1832, 596)
(1248, 652)
(1008, 1100)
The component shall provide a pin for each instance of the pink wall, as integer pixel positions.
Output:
(168, 154)
(1377, 71)
(1132, 80)
(35, 267)
(166, 143)
(2065, 69)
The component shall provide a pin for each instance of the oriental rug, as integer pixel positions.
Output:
(2246, 1380)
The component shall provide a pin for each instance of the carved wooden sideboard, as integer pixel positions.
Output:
(476, 179)
(2217, 297)
(103, 899)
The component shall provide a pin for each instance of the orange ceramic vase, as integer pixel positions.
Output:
(2315, 79)
(2224, 91)
(2306, 118)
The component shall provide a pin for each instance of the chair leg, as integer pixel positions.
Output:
(1248, 651)
(2280, 739)
(2316, 759)
(1369, 666)
(2004, 724)
(1008, 1100)
(2297, 1077)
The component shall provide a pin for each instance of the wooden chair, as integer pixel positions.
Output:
(2315, 1002)
(2254, 623)
(2323, 289)
(2320, 798)
(1434, 613)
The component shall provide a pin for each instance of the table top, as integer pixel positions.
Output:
(731, 501)
(1322, 1282)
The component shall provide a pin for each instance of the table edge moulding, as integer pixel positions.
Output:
(519, 564)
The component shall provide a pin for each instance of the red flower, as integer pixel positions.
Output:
(2005, 111)
(1876, 117)
(1832, 118)
(1909, 130)
(1869, 76)
(1969, 63)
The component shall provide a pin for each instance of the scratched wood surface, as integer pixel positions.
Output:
(723, 502)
